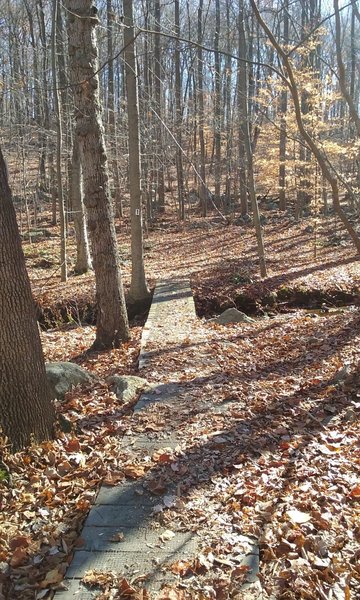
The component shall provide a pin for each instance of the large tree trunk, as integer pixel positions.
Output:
(138, 288)
(112, 323)
(26, 411)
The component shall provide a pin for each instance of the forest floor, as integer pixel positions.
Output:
(280, 463)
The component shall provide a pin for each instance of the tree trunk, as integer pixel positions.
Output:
(200, 103)
(283, 111)
(138, 289)
(249, 160)
(178, 116)
(242, 111)
(157, 89)
(217, 105)
(26, 411)
(341, 72)
(59, 180)
(112, 323)
(111, 109)
(83, 260)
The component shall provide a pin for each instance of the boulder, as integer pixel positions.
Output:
(127, 388)
(232, 315)
(62, 376)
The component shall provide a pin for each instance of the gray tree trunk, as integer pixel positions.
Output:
(138, 288)
(111, 109)
(112, 322)
(178, 116)
(283, 111)
(26, 411)
(249, 160)
(59, 144)
(217, 105)
(242, 111)
(83, 260)
(200, 102)
(158, 108)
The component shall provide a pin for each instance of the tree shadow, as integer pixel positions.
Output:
(305, 413)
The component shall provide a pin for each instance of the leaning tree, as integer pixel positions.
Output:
(26, 410)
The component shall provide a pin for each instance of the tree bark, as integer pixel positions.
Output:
(112, 322)
(250, 164)
(138, 289)
(217, 105)
(341, 71)
(178, 116)
(26, 411)
(83, 260)
(283, 111)
(200, 103)
(242, 111)
(59, 145)
(157, 90)
(111, 109)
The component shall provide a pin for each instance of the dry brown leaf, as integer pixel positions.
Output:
(20, 541)
(134, 471)
(169, 593)
(19, 556)
(51, 578)
(298, 517)
(117, 537)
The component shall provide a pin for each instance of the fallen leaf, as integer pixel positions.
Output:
(20, 541)
(157, 487)
(52, 577)
(18, 557)
(298, 517)
(167, 535)
(168, 593)
(117, 537)
(355, 492)
(134, 471)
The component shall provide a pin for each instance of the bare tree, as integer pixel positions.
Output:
(112, 323)
(59, 143)
(138, 289)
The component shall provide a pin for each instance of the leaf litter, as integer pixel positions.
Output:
(268, 415)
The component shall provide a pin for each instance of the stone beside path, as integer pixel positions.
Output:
(121, 532)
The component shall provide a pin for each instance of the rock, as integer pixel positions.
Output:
(128, 387)
(309, 229)
(62, 376)
(232, 315)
